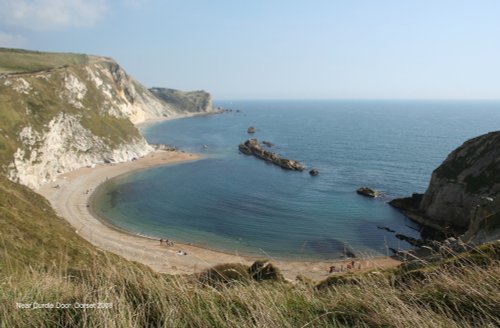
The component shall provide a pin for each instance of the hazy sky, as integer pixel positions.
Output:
(262, 49)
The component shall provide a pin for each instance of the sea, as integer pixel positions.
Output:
(231, 202)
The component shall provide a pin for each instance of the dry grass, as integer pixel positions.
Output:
(466, 296)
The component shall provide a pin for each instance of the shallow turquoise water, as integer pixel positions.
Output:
(236, 203)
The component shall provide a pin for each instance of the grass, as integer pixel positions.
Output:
(24, 61)
(43, 260)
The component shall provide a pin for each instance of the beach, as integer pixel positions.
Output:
(70, 195)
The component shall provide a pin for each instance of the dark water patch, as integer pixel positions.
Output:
(330, 246)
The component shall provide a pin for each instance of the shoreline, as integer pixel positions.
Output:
(69, 197)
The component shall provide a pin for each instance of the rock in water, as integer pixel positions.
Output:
(313, 172)
(251, 129)
(252, 147)
(368, 192)
(267, 143)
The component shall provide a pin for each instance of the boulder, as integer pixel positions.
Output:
(368, 192)
(251, 129)
(313, 172)
(407, 203)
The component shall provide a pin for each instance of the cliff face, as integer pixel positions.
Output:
(468, 176)
(185, 102)
(59, 112)
(463, 194)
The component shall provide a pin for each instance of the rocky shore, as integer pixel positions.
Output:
(252, 147)
(463, 194)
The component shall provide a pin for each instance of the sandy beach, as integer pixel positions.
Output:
(69, 197)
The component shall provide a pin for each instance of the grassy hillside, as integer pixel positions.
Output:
(23, 61)
(43, 260)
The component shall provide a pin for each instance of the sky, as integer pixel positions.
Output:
(275, 49)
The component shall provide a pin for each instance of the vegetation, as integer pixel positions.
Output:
(24, 61)
(43, 260)
(486, 178)
(192, 101)
(472, 152)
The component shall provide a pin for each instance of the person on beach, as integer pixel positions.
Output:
(161, 241)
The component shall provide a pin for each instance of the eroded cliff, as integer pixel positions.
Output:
(59, 112)
(464, 191)
(185, 102)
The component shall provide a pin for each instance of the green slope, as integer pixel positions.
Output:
(33, 236)
(24, 61)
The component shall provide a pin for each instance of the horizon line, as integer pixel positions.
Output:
(359, 99)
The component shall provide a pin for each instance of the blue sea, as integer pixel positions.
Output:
(236, 203)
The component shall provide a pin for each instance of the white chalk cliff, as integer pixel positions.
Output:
(59, 119)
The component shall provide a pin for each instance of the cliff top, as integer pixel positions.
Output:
(26, 61)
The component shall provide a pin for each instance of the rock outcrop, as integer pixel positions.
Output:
(251, 130)
(64, 111)
(368, 192)
(463, 192)
(267, 143)
(468, 173)
(252, 147)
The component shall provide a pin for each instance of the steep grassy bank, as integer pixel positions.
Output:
(43, 260)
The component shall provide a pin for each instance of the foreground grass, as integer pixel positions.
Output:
(467, 297)
(42, 260)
